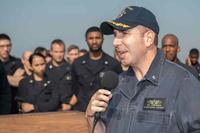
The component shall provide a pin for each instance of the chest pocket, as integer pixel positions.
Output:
(151, 121)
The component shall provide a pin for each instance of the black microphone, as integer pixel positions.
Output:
(108, 81)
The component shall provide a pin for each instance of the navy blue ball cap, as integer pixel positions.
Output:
(131, 17)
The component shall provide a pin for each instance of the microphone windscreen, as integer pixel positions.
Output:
(109, 80)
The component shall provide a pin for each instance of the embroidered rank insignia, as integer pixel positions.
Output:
(157, 104)
(101, 74)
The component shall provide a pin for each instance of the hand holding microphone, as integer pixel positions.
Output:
(99, 101)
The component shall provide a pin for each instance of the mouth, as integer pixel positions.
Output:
(168, 55)
(122, 54)
(94, 46)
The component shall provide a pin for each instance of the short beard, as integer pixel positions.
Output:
(96, 50)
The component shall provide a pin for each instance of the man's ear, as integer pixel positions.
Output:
(31, 68)
(179, 49)
(149, 38)
(23, 61)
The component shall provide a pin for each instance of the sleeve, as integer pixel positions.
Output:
(65, 88)
(188, 106)
(13, 66)
(75, 86)
(22, 93)
(5, 92)
(48, 100)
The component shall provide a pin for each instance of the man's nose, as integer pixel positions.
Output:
(6, 48)
(116, 42)
(94, 40)
(167, 48)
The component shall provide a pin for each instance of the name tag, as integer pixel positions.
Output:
(157, 104)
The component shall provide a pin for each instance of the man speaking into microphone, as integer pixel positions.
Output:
(154, 95)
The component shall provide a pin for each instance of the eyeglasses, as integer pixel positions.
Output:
(6, 45)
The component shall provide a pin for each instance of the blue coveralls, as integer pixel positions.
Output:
(166, 100)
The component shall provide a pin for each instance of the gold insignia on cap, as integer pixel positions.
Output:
(119, 24)
(130, 8)
(123, 12)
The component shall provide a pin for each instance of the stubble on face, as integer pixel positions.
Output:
(94, 41)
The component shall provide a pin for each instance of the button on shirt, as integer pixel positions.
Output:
(166, 100)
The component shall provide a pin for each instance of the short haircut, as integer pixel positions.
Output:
(83, 51)
(194, 51)
(71, 47)
(93, 29)
(4, 37)
(57, 41)
(170, 35)
(34, 55)
(40, 50)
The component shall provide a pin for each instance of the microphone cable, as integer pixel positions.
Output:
(94, 124)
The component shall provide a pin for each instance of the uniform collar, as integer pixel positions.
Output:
(154, 72)
(32, 80)
(152, 76)
(103, 58)
(197, 65)
(50, 65)
(10, 59)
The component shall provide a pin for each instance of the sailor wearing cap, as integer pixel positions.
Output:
(154, 95)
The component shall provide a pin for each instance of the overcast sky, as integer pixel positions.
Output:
(32, 23)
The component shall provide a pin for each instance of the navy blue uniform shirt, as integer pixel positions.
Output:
(11, 66)
(62, 76)
(166, 100)
(197, 67)
(85, 73)
(42, 94)
(5, 92)
(189, 68)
